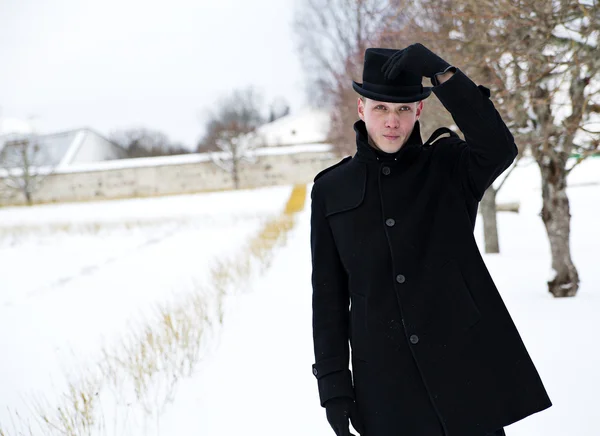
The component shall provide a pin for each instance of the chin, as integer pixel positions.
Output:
(390, 146)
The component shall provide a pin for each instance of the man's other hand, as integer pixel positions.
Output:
(340, 411)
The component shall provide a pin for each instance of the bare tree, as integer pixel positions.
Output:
(241, 110)
(143, 142)
(331, 37)
(24, 166)
(212, 129)
(235, 150)
(543, 60)
(538, 59)
(231, 132)
(489, 212)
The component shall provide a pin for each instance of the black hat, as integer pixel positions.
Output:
(404, 88)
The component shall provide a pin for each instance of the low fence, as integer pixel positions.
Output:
(171, 175)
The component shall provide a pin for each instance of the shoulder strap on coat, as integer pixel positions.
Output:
(344, 160)
(435, 135)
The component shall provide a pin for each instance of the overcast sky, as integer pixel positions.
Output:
(114, 64)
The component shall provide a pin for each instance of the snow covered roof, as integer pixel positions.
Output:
(55, 150)
(308, 126)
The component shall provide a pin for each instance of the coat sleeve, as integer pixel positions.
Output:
(330, 302)
(490, 147)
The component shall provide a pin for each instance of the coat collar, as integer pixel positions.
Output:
(367, 153)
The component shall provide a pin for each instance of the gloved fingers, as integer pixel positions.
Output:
(356, 419)
(420, 47)
(340, 427)
(391, 59)
(399, 63)
(391, 64)
(357, 423)
(344, 430)
(338, 411)
(396, 67)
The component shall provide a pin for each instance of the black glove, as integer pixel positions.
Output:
(338, 411)
(415, 58)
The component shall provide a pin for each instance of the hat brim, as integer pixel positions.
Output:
(391, 98)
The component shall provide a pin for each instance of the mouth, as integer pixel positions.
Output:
(391, 137)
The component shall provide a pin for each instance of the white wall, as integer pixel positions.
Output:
(174, 178)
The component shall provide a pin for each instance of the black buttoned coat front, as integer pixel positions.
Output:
(397, 275)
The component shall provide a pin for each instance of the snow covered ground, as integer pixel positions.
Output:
(76, 277)
(60, 302)
(260, 381)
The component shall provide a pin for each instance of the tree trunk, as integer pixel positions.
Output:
(490, 226)
(557, 219)
(235, 172)
(28, 197)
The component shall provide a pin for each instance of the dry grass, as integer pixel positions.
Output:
(143, 370)
(13, 235)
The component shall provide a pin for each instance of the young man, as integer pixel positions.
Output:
(396, 270)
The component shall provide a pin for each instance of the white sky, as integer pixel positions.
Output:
(127, 63)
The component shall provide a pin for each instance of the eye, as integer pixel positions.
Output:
(405, 108)
(380, 107)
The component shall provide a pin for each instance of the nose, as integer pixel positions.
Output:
(392, 120)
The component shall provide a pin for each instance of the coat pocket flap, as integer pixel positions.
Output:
(346, 193)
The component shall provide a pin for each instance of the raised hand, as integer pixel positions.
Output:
(415, 58)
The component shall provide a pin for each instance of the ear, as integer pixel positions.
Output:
(420, 108)
(361, 109)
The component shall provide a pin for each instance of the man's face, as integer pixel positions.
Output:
(389, 124)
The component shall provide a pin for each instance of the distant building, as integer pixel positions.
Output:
(81, 165)
(61, 150)
(309, 126)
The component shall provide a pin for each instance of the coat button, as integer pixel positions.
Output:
(390, 222)
(315, 372)
(414, 339)
(400, 278)
(386, 171)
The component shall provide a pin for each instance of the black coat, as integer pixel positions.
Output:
(397, 273)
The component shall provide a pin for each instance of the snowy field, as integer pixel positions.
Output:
(260, 381)
(67, 291)
(76, 277)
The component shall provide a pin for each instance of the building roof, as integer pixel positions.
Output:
(308, 126)
(55, 150)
